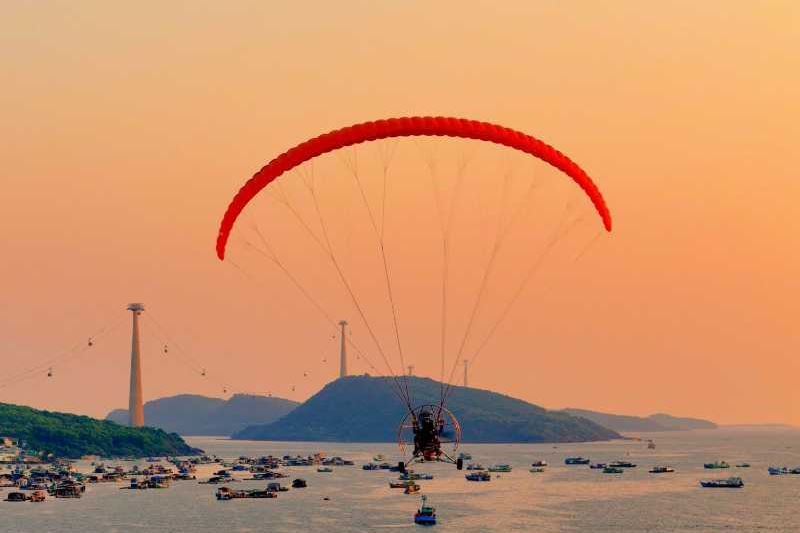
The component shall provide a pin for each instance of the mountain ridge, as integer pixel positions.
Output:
(364, 409)
(193, 414)
(654, 422)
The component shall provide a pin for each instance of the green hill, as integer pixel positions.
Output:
(190, 414)
(656, 422)
(364, 409)
(72, 436)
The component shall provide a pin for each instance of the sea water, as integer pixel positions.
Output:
(563, 498)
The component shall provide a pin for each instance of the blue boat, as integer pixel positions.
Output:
(576, 461)
(425, 515)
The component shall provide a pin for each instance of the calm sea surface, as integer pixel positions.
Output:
(564, 498)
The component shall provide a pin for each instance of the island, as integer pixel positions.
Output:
(364, 409)
(51, 434)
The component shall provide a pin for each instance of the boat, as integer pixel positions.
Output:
(613, 470)
(38, 496)
(410, 475)
(261, 494)
(135, 484)
(276, 487)
(795, 470)
(159, 482)
(743, 465)
(478, 476)
(425, 515)
(597, 466)
(576, 461)
(661, 470)
(412, 489)
(539, 463)
(299, 484)
(716, 465)
(16, 497)
(400, 484)
(536, 469)
(325, 469)
(777, 471)
(380, 458)
(475, 466)
(68, 491)
(622, 464)
(371, 466)
(226, 493)
(500, 468)
(729, 483)
(214, 480)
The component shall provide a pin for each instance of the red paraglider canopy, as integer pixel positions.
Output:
(406, 127)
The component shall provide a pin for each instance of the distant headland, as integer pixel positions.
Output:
(50, 434)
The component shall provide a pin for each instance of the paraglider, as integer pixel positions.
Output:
(430, 427)
(405, 127)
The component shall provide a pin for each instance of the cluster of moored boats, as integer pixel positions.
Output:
(61, 480)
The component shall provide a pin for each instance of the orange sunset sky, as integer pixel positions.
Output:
(125, 129)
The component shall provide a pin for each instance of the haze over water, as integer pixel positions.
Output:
(562, 499)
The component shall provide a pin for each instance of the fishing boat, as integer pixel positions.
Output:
(370, 466)
(613, 470)
(410, 475)
(16, 497)
(412, 489)
(539, 463)
(743, 465)
(276, 487)
(226, 493)
(425, 515)
(716, 465)
(299, 484)
(661, 470)
(400, 484)
(597, 466)
(729, 483)
(214, 480)
(777, 471)
(380, 458)
(68, 491)
(536, 469)
(576, 461)
(795, 470)
(478, 476)
(500, 468)
(325, 469)
(622, 464)
(475, 466)
(261, 494)
(159, 482)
